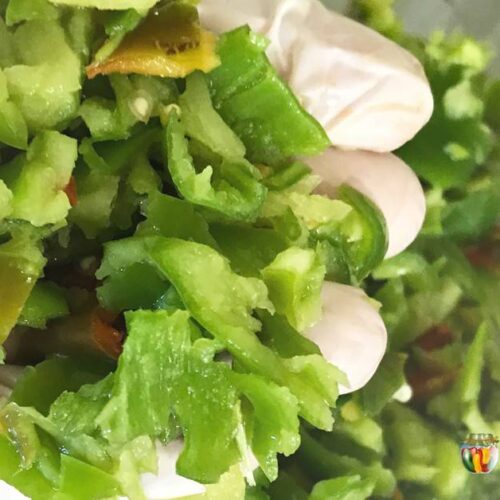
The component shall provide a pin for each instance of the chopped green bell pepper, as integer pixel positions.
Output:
(13, 128)
(39, 179)
(258, 105)
(230, 189)
(46, 302)
(369, 250)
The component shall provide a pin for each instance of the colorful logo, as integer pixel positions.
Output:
(479, 453)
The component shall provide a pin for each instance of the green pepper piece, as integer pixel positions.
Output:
(41, 385)
(369, 251)
(20, 10)
(46, 302)
(117, 25)
(13, 128)
(29, 481)
(231, 189)
(258, 105)
(81, 481)
(21, 263)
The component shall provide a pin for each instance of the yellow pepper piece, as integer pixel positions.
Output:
(169, 43)
(486, 455)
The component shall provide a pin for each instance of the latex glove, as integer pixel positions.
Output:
(167, 484)
(351, 334)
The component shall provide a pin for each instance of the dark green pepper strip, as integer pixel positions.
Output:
(369, 250)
